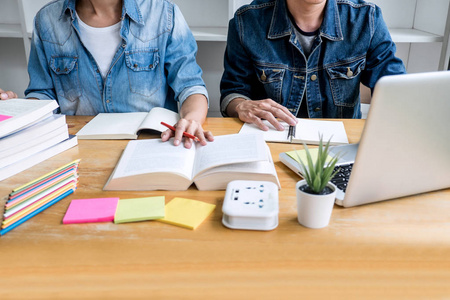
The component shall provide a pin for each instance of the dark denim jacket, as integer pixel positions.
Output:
(263, 58)
(154, 66)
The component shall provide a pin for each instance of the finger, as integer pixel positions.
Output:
(201, 136)
(209, 136)
(178, 133)
(166, 135)
(272, 120)
(4, 96)
(187, 143)
(258, 122)
(281, 112)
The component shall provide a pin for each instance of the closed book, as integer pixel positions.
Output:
(30, 161)
(19, 113)
(34, 133)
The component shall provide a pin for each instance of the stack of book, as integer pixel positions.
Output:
(30, 199)
(30, 133)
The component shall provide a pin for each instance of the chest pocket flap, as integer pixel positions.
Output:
(142, 60)
(347, 71)
(67, 83)
(62, 65)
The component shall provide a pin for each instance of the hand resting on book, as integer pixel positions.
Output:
(5, 95)
(256, 111)
(193, 114)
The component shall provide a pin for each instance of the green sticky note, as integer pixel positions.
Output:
(187, 213)
(139, 209)
(302, 154)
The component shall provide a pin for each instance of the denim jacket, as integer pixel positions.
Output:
(154, 66)
(264, 59)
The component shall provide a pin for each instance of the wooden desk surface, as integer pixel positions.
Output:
(390, 250)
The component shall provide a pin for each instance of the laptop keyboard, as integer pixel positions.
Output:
(342, 176)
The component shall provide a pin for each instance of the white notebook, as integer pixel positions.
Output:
(307, 131)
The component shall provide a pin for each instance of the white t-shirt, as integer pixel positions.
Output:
(101, 42)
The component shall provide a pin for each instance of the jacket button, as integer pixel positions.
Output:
(349, 72)
(317, 109)
(135, 65)
(58, 69)
(313, 77)
(263, 76)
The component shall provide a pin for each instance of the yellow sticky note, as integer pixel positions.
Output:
(186, 212)
(139, 209)
(302, 154)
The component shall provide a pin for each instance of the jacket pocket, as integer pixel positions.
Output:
(67, 81)
(345, 82)
(272, 81)
(143, 72)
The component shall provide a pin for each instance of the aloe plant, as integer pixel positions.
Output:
(317, 174)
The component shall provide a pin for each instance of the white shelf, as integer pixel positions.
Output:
(414, 36)
(10, 30)
(210, 33)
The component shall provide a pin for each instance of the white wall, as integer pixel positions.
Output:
(210, 59)
(13, 67)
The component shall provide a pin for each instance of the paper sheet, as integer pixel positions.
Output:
(302, 154)
(187, 213)
(91, 210)
(139, 209)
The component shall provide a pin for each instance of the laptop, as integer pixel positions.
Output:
(405, 144)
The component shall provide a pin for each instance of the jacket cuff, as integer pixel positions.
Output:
(198, 89)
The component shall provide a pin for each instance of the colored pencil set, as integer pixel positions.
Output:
(34, 197)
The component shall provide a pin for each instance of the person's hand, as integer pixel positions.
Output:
(191, 127)
(5, 95)
(254, 111)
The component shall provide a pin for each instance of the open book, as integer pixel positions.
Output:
(154, 165)
(16, 114)
(106, 126)
(306, 131)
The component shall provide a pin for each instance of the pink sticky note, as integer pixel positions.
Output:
(4, 117)
(91, 210)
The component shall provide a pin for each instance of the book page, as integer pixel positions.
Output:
(272, 135)
(112, 124)
(17, 107)
(156, 116)
(308, 131)
(150, 156)
(217, 178)
(230, 149)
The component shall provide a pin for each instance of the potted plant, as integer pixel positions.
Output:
(316, 194)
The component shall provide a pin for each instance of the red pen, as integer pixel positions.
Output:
(184, 132)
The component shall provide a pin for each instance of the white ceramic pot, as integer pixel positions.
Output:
(314, 211)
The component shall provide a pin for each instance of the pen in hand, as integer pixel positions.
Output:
(188, 135)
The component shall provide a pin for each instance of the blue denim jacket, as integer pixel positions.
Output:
(154, 66)
(263, 58)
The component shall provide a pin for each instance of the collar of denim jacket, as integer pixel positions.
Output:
(129, 8)
(281, 25)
